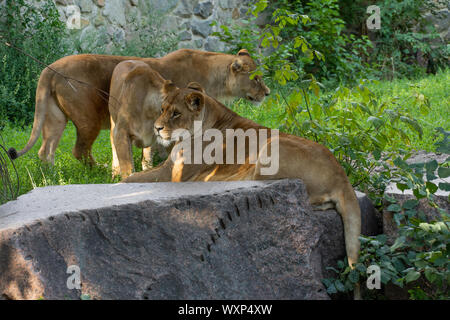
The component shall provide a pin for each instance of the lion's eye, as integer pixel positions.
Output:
(175, 114)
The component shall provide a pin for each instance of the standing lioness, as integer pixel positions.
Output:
(183, 109)
(137, 88)
(59, 99)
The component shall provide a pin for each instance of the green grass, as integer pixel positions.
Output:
(67, 170)
(437, 89)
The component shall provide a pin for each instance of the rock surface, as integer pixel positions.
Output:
(214, 240)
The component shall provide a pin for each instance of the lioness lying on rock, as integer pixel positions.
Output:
(192, 118)
(80, 96)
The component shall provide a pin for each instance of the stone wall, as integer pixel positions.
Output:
(118, 20)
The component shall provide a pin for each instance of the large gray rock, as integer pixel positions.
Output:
(440, 20)
(213, 240)
(85, 6)
(201, 28)
(371, 219)
(204, 9)
(163, 6)
(115, 11)
(184, 9)
(214, 44)
(185, 35)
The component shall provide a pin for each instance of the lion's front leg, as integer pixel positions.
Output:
(147, 158)
(115, 167)
(162, 173)
(124, 152)
(149, 152)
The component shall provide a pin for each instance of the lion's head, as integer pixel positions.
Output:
(238, 81)
(179, 109)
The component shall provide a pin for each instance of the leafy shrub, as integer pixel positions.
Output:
(404, 35)
(37, 30)
(295, 33)
(419, 257)
(278, 59)
(361, 131)
(337, 29)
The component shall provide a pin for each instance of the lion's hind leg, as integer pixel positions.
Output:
(52, 130)
(85, 139)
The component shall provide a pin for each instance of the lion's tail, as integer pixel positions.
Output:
(348, 207)
(42, 96)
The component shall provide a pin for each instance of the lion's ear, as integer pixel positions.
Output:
(195, 86)
(243, 52)
(168, 86)
(239, 66)
(195, 101)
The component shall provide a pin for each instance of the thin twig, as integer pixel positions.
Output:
(309, 113)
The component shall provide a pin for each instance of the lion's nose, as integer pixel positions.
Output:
(158, 128)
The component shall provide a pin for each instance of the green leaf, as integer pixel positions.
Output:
(413, 124)
(361, 268)
(431, 187)
(375, 121)
(410, 213)
(354, 276)
(412, 276)
(439, 262)
(382, 238)
(419, 193)
(420, 264)
(399, 162)
(398, 243)
(410, 204)
(445, 186)
(339, 286)
(394, 208)
(402, 187)
(376, 154)
(326, 282)
(398, 264)
(430, 274)
(431, 166)
(443, 172)
(332, 269)
(331, 289)
(389, 198)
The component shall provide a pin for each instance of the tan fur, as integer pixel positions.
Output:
(138, 91)
(325, 179)
(223, 75)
